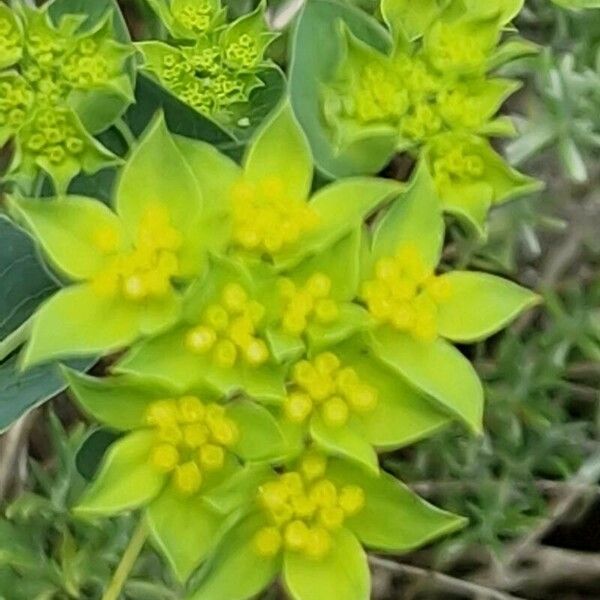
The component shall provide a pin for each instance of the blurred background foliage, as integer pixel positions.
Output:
(530, 485)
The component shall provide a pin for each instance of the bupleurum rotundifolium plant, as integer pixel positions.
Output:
(53, 79)
(435, 96)
(277, 339)
(209, 64)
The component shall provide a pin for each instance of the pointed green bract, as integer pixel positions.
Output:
(394, 519)
(185, 529)
(346, 442)
(168, 184)
(344, 573)
(281, 150)
(438, 369)
(262, 439)
(120, 403)
(71, 231)
(235, 571)
(78, 310)
(126, 479)
(480, 305)
(415, 219)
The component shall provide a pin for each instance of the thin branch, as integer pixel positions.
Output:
(448, 583)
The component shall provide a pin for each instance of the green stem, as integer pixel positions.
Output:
(138, 539)
(15, 339)
(125, 132)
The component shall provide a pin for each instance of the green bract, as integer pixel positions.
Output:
(176, 450)
(429, 93)
(209, 64)
(59, 84)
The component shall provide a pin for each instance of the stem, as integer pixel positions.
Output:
(125, 132)
(136, 543)
(15, 339)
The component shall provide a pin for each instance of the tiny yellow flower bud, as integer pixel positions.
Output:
(225, 354)
(386, 269)
(319, 285)
(326, 363)
(200, 339)
(297, 407)
(170, 433)
(304, 373)
(256, 352)
(294, 324)
(225, 432)
(135, 288)
(162, 412)
(327, 311)
(165, 457)
(303, 506)
(235, 298)
(403, 316)
(211, 457)
(286, 287)
(268, 542)
(296, 535)
(187, 478)
(191, 409)
(335, 412)
(272, 186)
(195, 434)
(313, 465)
(292, 483)
(331, 517)
(363, 398)
(216, 317)
(318, 544)
(324, 493)
(352, 499)
(346, 381)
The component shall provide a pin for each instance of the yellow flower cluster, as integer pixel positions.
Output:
(406, 293)
(9, 36)
(311, 301)
(326, 385)
(148, 270)
(229, 330)
(197, 16)
(265, 219)
(303, 508)
(192, 440)
(454, 162)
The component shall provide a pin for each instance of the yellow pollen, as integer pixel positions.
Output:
(135, 288)
(225, 354)
(331, 517)
(200, 339)
(318, 544)
(324, 494)
(191, 409)
(235, 298)
(256, 352)
(195, 435)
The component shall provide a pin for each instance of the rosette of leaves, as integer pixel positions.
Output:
(426, 91)
(61, 81)
(211, 65)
